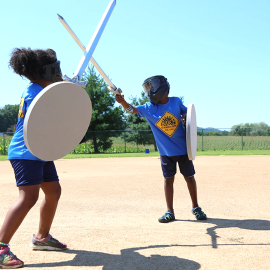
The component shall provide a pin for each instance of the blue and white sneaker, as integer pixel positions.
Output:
(199, 214)
(167, 217)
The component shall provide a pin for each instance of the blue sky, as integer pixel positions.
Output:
(214, 53)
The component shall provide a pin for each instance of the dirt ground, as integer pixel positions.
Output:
(109, 209)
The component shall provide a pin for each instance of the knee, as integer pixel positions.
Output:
(54, 194)
(190, 179)
(30, 200)
(169, 181)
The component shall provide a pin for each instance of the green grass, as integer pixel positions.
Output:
(233, 152)
(219, 143)
(212, 145)
(156, 154)
(3, 157)
(72, 156)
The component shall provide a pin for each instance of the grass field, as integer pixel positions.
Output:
(233, 143)
(206, 145)
(156, 154)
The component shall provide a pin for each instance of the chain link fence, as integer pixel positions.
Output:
(117, 141)
(233, 139)
(135, 141)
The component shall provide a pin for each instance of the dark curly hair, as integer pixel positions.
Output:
(29, 63)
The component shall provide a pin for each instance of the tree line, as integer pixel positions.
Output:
(248, 129)
(8, 118)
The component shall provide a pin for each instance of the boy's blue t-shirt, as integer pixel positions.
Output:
(167, 127)
(17, 148)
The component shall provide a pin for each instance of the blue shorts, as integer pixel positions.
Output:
(33, 172)
(168, 165)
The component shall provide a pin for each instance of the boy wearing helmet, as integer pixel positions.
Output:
(166, 116)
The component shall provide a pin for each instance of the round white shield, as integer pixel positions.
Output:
(57, 120)
(191, 132)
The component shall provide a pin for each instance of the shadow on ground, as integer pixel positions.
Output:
(247, 224)
(129, 259)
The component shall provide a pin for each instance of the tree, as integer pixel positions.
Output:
(262, 129)
(224, 133)
(105, 116)
(8, 117)
(237, 130)
(212, 133)
(11, 129)
(141, 131)
(250, 129)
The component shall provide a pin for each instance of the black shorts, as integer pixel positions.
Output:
(33, 172)
(168, 165)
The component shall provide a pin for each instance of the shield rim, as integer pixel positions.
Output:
(191, 132)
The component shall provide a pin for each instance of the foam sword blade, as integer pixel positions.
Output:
(94, 41)
(93, 61)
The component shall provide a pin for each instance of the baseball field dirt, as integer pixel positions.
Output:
(109, 209)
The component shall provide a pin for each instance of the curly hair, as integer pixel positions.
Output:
(29, 63)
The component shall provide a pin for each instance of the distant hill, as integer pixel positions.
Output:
(209, 129)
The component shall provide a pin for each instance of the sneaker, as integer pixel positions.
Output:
(47, 243)
(8, 260)
(200, 215)
(167, 217)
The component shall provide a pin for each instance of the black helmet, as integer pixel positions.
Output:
(52, 72)
(156, 87)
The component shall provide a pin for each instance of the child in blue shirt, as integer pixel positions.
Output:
(166, 116)
(32, 174)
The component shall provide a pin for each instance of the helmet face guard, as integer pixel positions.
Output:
(155, 88)
(52, 72)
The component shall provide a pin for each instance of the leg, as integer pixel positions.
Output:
(187, 168)
(52, 191)
(43, 240)
(168, 165)
(28, 196)
(192, 188)
(168, 188)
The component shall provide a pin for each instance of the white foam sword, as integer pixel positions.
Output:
(89, 50)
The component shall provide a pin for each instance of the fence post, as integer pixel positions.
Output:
(4, 134)
(242, 143)
(125, 142)
(202, 139)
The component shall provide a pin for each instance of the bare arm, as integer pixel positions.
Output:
(129, 108)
